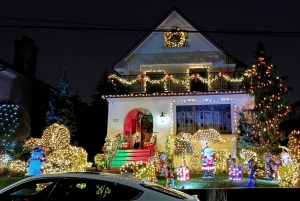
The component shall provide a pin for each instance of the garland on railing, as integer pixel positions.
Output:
(144, 78)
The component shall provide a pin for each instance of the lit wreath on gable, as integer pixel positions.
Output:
(175, 38)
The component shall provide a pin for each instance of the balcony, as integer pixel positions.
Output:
(184, 82)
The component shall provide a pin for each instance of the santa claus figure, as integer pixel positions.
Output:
(207, 160)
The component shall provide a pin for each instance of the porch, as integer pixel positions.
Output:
(179, 82)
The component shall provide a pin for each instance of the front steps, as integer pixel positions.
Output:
(127, 156)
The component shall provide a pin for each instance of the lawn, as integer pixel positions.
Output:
(220, 181)
(196, 181)
(5, 181)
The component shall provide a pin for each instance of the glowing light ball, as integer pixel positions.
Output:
(55, 137)
(236, 173)
(183, 173)
(288, 175)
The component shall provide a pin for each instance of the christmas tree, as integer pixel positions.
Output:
(270, 107)
(61, 106)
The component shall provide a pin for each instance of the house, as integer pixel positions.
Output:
(177, 80)
(19, 85)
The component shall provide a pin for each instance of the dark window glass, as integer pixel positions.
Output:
(75, 189)
(120, 192)
(37, 190)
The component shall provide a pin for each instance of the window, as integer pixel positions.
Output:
(33, 190)
(191, 118)
(72, 189)
(120, 192)
(92, 190)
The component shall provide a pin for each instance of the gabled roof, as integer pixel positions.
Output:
(172, 11)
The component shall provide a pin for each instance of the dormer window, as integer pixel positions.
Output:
(175, 38)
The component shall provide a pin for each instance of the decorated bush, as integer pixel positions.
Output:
(288, 175)
(61, 156)
(100, 161)
(17, 168)
(140, 170)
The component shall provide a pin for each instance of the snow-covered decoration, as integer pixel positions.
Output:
(36, 161)
(207, 160)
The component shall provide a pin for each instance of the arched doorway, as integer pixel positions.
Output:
(138, 122)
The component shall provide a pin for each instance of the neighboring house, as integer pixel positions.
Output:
(19, 85)
(177, 80)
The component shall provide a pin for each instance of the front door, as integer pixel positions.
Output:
(146, 130)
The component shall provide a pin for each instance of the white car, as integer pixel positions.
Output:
(89, 187)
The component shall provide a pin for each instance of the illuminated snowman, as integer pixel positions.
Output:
(36, 161)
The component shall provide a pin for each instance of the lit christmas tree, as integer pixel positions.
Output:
(270, 107)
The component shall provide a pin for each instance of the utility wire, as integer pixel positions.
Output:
(261, 33)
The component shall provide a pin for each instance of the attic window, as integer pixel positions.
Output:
(175, 38)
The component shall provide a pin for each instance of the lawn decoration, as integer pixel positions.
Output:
(61, 156)
(140, 170)
(268, 166)
(275, 166)
(231, 162)
(288, 175)
(183, 173)
(294, 147)
(170, 178)
(36, 161)
(207, 160)
(207, 157)
(183, 145)
(252, 167)
(285, 156)
(236, 173)
(163, 158)
(221, 160)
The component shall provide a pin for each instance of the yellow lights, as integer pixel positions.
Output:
(221, 160)
(99, 161)
(288, 175)
(17, 167)
(140, 170)
(71, 159)
(183, 146)
(208, 135)
(175, 38)
(61, 156)
(294, 147)
(153, 138)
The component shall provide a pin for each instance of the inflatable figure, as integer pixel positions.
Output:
(207, 160)
(36, 161)
(163, 158)
(252, 167)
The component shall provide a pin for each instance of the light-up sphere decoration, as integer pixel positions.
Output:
(183, 173)
(236, 173)
(55, 137)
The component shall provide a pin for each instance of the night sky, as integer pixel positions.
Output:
(86, 53)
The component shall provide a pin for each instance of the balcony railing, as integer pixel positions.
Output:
(185, 82)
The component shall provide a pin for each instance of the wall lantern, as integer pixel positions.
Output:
(162, 116)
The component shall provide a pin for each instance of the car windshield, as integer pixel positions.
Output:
(168, 191)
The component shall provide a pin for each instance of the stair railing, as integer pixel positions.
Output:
(114, 152)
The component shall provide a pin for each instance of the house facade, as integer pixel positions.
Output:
(176, 80)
